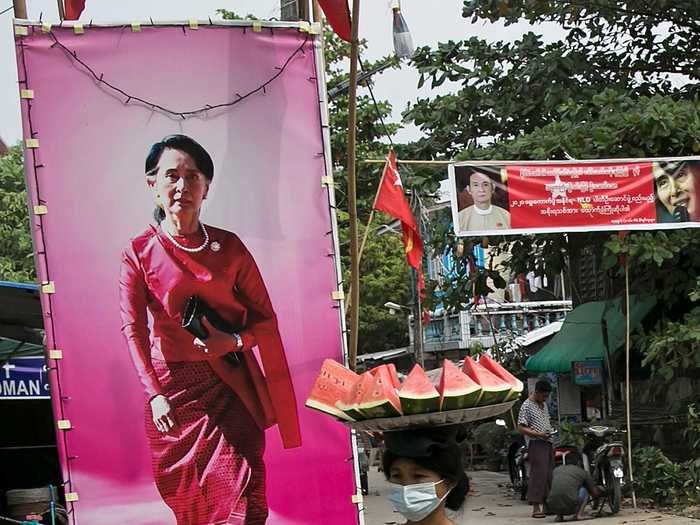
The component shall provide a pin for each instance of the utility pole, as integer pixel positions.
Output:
(352, 188)
(20, 9)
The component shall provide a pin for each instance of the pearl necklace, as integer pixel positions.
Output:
(185, 248)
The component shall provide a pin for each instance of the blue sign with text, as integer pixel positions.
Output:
(24, 378)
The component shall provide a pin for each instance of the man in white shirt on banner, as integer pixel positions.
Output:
(482, 215)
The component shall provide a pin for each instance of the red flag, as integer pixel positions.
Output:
(338, 14)
(73, 9)
(392, 200)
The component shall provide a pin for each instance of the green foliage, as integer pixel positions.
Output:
(664, 482)
(668, 264)
(609, 88)
(571, 435)
(493, 440)
(691, 433)
(16, 255)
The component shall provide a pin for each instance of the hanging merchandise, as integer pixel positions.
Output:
(403, 41)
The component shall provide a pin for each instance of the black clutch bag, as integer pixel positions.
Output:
(196, 310)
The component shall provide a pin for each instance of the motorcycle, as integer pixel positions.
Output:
(519, 465)
(604, 458)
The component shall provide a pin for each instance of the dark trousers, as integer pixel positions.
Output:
(541, 457)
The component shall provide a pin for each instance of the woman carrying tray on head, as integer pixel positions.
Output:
(425, 469)
(208, 408)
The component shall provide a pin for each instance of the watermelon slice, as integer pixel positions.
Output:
(349, 404)
(334, 382)
(495, 390)
(381, 399)
(391, 370)
(456, 389)
(516, 386)
(418, 395)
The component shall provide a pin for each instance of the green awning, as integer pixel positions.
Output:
(11, 348)
(581, 335)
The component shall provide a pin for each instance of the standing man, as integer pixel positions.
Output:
(534, 424)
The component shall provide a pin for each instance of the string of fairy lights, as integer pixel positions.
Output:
(132, 98)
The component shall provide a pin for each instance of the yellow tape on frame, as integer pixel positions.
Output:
(48, 287)
(78, 29)
(356, 499)
(55, 354)
(21, 31)
(41, 209)
(63, 424)
(46, 27)
(338, 295)
(135, 27)
(194, 24)
(326, 181)
(26, 93)
(257, 27)
(31, 143)
(304, 27)
(71, 496)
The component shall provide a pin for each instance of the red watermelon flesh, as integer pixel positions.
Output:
(381, 400)
(418, 395)
(349, 404)
(494, 389)
(516, 386)
(391, 370)
(334, 382)
(456, 389)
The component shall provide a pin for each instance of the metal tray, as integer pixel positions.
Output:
(432, 419)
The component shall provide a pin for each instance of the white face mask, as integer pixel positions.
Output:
(417, 501)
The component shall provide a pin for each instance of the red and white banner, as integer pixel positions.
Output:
(538, 197)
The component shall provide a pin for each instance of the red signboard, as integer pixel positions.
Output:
(537, 197)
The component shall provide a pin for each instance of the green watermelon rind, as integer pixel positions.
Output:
(515, 392)
(377, 409)
(458, 399)
(493, 396)
(350, 411)
(417, 394)
(328, 409)
(496, 368)
(419, 403)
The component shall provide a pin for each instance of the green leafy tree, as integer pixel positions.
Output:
(16, 260)
(621, 82)
(384, 272)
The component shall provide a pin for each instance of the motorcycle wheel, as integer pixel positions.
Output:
(614, 491)
(523, 483)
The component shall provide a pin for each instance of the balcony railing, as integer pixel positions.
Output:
(483, 324)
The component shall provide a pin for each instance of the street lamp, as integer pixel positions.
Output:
(395, 307)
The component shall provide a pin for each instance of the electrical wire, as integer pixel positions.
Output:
(73, 55)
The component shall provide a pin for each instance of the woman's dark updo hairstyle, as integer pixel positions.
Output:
(433, 449)
(183, 143)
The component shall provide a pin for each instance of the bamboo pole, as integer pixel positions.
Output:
(352, 189)
(20, 9)
(425, 162)
(627, 381)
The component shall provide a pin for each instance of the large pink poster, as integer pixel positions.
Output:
(154, 424)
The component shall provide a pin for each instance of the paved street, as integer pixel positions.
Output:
(493, 503)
